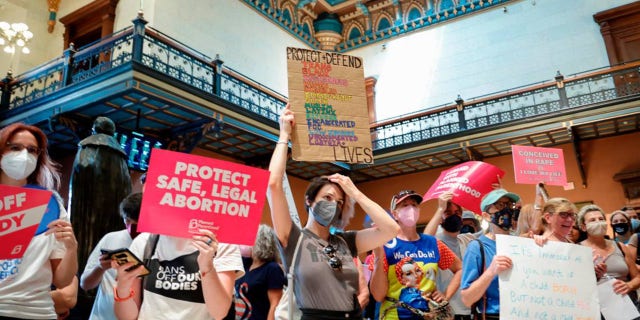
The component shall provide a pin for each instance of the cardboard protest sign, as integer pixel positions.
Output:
(185, 193)
(468, 181)
(328, 98)
(535, 164)
(21, 210)
(549, 282)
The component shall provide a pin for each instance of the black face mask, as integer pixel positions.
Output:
(467, 229)
(502, 219)
(620, 228)
(452, 223)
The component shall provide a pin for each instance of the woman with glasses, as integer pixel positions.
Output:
(390, 285)
(558, 218)
(50, 257)
(325, 275)
(618, 259)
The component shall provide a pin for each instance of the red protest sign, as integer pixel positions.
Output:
(468, 181)
(532, 165)
(185, 193)
(21, 210)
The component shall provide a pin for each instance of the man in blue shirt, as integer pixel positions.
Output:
(479, 278)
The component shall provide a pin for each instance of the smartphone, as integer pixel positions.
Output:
(122, 256)
(104, 251)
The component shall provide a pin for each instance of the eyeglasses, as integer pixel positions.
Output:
(19, 147)
(504, 204)
(334, 261)
(567, 215)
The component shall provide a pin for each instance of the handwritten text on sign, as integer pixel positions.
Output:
(21, 210)
(328, 98)
(532, 165)
(553, 282)
(185, 193)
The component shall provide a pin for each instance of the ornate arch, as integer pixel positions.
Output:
(289, 12)
(352, 25)
(381, 16)
(414, 6)
(307, 23)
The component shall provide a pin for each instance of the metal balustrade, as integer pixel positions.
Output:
(158, 52)
(603, 85)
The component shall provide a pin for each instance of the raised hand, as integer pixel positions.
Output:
(207, 245)
(63, 232)
(500, 264)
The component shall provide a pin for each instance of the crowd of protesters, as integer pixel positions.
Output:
(448, 271)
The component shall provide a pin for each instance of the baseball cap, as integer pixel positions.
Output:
(495, 195)
(398, 197)
(468, 215)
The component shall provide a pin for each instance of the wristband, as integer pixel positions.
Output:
(116, 298)
(203, 273)
(282, 142)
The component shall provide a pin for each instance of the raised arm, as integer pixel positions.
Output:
(278, 204)
(541, 196)
(477, 289)
(65, 269)
(385, 227)
(378, 285)
(432, 226)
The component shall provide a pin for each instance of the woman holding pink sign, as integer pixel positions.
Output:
(326, 277)
(51, 255)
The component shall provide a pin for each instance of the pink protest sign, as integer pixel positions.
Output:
(21, 210)
(468, 181)
(532, 165)
(185, 193)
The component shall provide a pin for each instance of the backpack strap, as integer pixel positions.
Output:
(474, 307)
(149, 250)
(290, 276)
(638, 248)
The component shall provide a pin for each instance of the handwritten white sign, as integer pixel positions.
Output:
(553, 282)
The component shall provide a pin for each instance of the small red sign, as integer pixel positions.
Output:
(468, 181)
(532, 165)
(185, 193)
(21, 210)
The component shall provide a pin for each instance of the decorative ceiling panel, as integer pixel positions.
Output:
(343, 25)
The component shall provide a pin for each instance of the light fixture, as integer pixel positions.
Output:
(459, 103)
(559, 80)
(15, 35)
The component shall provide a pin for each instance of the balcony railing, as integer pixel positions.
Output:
(507, 107)
(152, 49)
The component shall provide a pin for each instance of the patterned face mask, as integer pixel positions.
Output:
(502, 218)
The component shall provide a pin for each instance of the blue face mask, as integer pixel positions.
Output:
(635, 224)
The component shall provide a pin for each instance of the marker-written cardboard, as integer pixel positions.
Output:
(329, 102)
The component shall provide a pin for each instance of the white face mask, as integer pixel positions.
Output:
(597, 228)
(18, 165)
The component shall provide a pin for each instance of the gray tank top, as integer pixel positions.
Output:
(317, 284)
